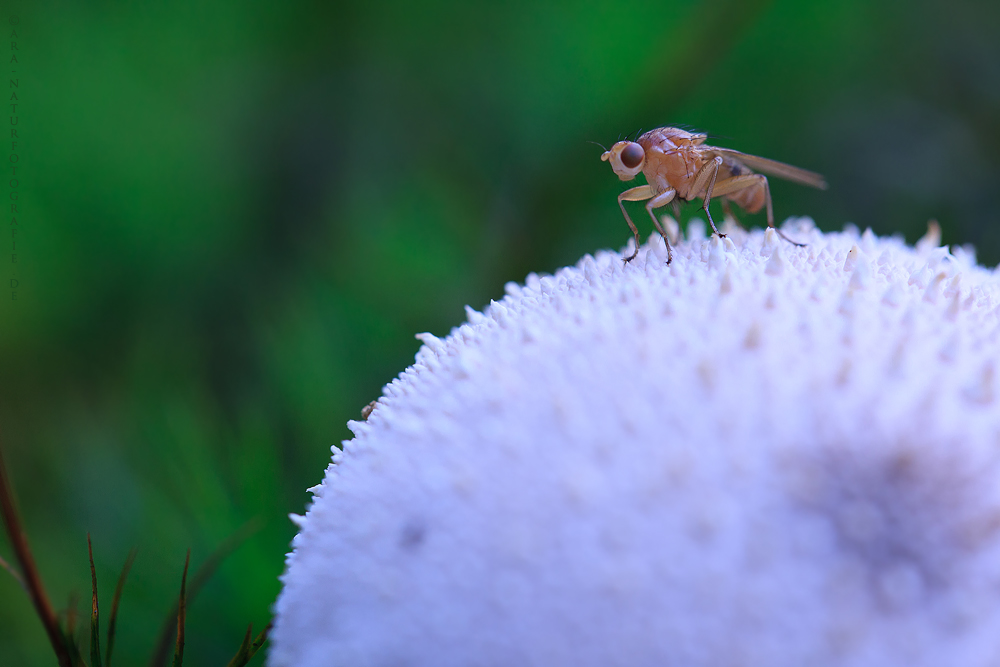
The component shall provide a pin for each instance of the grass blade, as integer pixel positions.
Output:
(95, 617)
(112, 620)
(204, 572)
(248, 649)
(261, 638)
(181, 610)
(36, 591)
(242, 656)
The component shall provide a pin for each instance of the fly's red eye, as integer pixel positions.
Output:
(632, 155)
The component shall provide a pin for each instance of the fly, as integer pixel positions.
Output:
(679, 167)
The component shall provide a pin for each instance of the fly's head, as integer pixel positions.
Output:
(627, 158)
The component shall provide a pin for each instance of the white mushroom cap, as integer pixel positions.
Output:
(760, 455)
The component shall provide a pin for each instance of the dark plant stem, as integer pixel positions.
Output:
(19, 542)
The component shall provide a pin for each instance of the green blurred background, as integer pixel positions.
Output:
(235, 215)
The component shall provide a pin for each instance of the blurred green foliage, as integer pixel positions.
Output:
(235, 215)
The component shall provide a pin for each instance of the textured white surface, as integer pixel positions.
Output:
(760, 455)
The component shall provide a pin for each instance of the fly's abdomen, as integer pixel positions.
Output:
(750, 199)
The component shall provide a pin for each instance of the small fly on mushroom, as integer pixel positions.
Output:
(678, 166)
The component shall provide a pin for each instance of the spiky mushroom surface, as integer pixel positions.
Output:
(759, 455)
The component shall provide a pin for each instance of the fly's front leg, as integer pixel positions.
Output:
(704, 180)
(659, 200)
(639, 193)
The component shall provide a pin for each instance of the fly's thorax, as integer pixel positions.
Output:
(675, 136)
(671, 166)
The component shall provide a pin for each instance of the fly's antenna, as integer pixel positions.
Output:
(597, 144)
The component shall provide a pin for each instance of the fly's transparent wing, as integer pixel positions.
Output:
(770, 167)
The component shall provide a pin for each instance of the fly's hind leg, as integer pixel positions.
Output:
(770, 214)
(640, 193)
(737, 183)
(727, 210)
